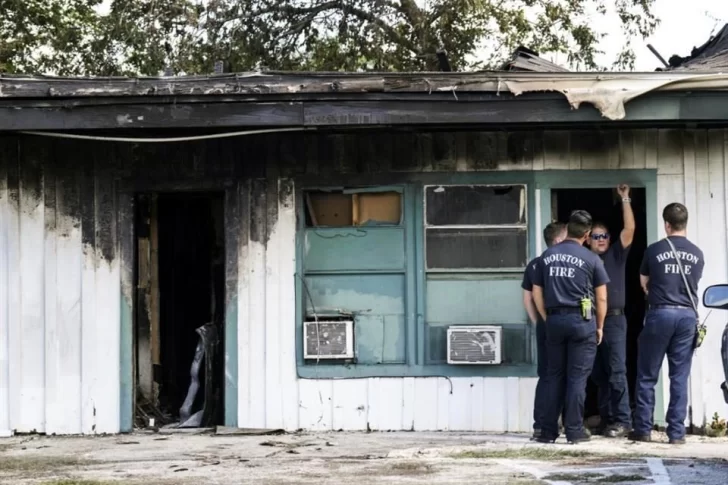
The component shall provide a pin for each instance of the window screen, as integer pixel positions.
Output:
(475, 227)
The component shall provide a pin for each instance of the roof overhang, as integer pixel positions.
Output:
(319, 100)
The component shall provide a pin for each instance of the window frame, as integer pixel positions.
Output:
(523, 226)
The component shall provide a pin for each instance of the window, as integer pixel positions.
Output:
(475, 227)
(353, 207)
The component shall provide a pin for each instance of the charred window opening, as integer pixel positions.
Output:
(475, 227)
(180, 309)
(353, 207)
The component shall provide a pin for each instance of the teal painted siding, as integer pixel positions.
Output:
(354, 249)
(378, 305)
(373, 271)
(493, 300)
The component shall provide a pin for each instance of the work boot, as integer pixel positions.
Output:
(645, 438)
(536, 433)
(616, 431)
(545, 439)
(677, 441)
(582, 437)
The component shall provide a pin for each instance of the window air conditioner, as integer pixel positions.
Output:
(475, 344)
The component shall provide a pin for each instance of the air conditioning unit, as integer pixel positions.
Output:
(475, 344)
(328, 339)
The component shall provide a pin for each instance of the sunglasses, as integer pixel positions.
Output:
(598, 237)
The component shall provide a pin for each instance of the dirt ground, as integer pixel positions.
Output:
(361, 458)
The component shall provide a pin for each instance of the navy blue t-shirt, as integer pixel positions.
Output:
(529, 273)
(568, 272)
(666, 285)
(615, 261)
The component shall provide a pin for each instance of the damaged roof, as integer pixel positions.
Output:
(709, 57)
(608, 92)
(318, 100)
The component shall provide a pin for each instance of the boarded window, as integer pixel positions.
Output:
(475, 227)
(353, 207)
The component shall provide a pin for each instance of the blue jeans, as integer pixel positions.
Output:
(667, 332)
(571, 347)
(540, 401)
(610, 373)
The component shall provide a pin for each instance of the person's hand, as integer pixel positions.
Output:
(623, 190)
(599, 336)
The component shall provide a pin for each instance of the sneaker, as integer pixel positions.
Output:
(645, 438)
(544, 439)
(616, 431)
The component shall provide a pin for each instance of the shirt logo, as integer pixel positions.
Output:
(674, 268)
(561, 271)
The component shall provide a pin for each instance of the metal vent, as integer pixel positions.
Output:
(477, 344)
(329, 339)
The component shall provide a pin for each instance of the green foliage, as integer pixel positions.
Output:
(145, 36)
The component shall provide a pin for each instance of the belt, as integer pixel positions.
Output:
(670, 307)
(562, 310)
(614, 312)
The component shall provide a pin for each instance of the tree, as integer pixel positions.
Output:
(146, 36)
(46, 35)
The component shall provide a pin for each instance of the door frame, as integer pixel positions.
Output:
(127, 196)
(548, 180)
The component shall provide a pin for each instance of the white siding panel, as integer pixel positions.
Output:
(4, 310)
(59, 317)
(349, 405)
(426, 403)
(31, 328)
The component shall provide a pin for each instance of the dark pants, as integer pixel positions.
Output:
(671, 332)
(539, 403)
(610, 373)
(571, 348)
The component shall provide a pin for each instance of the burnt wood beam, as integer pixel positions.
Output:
(493, 112)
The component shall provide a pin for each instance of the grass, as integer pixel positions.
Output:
(593, 477)
(80, 482)
(409, 468)
(39, 463)
(532, 453)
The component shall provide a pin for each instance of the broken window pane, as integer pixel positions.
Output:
(476, 248)
(449, 205)
(351, 208)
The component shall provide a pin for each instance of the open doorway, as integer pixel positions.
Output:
(605, 206)
(179, 324)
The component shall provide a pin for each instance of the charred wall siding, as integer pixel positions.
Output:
(66, 254)
(59, 289)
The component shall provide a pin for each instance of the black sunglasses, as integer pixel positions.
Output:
(598, 237)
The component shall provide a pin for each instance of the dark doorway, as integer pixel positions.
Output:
(180, 297)
(605, 206)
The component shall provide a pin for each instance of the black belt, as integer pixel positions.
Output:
(670, 307)
(615, 312)
(562, 310)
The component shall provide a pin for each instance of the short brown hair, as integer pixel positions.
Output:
(551, 232)
(676, 215)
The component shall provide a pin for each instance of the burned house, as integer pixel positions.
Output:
(349, 245)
